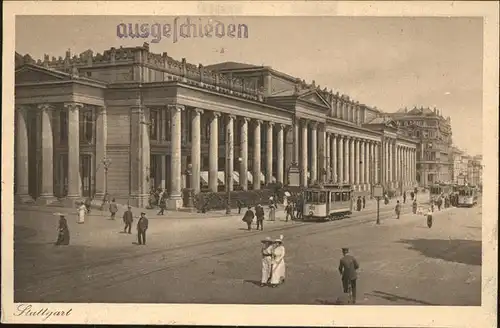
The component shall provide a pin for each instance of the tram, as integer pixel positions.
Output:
(328, 202)
(439, 189)
(467, 196)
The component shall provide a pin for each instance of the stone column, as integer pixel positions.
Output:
(314, 152)
(269, 153)
(376, 162)
(352, 161)
(22, 156)
(175, 199)
(328, 157)
(296, 138)
(289, 145)
(386, 162)
(244, 153)
(340, 172)
(73, 110)
(347, 157)
(363, 164)
(256, 155)
(163, 161)
(47, 190)
(322, 154)
(304, 153)
(333, 155)
(280, 154)
(356, 162)
(213, 160)
(139, 156)
(229, 165)
(196, 149)
(100, 153)
(367, 164)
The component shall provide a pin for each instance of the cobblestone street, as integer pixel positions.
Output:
(213, 260)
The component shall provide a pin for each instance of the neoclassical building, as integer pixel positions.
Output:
(128, 120)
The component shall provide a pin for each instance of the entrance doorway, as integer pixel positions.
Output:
(86, 175)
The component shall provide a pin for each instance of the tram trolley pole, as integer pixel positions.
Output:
(377, 193)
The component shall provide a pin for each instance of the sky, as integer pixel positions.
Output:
(387, 62)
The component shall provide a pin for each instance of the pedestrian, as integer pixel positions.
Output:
(128, 218)
(272, 210)
(62, 232)
(386, 199)
(248, 218)
(88, 203)
(412, 195)
(397, 209)
(162, 204)
(404, 197)
(358, 204)
(432, 205)
(81, 213)
(239, 203)
(347, 268)
(439, 203)
(414, 206)
(429, 218)
(267, 258)
(259, 213)
(113, 208)
(289, 211)
(142, 227)
(278, 263)
(364, 202)
(299, 207)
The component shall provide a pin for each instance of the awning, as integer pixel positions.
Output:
(204, 178)
(236, 177)
(221, 176)
(250, 177)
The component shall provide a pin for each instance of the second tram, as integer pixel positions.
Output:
(467, 196)
(327, 202)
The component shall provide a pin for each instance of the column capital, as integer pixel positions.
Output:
(270, 124)
(45, 107)
(176, 107)
(314, 124)
(215, 114)
(198, 111)
(282, 126)
(304, 121)
(258, 122)
(22, 108)
(244, 119)
(231, 117)
(73, 106)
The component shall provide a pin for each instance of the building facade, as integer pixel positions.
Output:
(434, 151)
(476, 170)
(129, 120)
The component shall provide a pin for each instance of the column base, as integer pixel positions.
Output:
(72, 200)
(140, 200)
(174, 203)
(45, 199)
(23, 199)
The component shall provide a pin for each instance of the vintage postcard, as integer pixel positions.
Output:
(243, 163)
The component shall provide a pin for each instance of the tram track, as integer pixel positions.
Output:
(126, 269)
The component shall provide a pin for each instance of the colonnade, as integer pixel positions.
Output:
(45, 131)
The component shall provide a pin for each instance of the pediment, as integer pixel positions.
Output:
(391, 124)
(314, 97)
(30, 74)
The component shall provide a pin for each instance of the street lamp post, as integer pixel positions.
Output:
(106, 163)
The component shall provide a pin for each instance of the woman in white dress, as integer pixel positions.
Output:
(81, 213)
(278, 263)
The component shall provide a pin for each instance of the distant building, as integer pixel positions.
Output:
(434, 152)
(476, 170)
(461, 161)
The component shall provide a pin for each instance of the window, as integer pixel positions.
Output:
(87, 126)
(168, 121)
(154, 118)
(345, 196)
(322, 197)
(337, 197)
(63, 126)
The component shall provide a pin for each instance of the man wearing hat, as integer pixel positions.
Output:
(347, 268)
(278, 263)
(267, 257)
(142, 226)
(128, 218)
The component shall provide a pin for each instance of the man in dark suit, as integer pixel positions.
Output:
(128, 219)
(347, 268)
(142, 226)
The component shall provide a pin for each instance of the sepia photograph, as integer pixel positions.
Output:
(335, 162)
